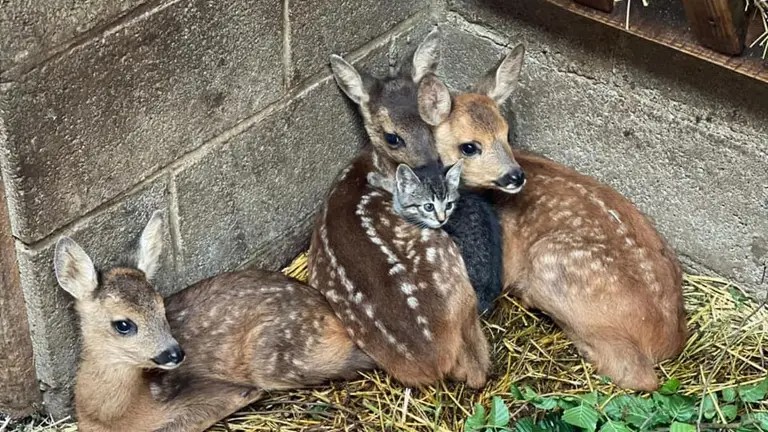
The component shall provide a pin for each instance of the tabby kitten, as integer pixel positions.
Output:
(426, 201)
(431, 199)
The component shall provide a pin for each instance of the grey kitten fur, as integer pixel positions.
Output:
(425, 201)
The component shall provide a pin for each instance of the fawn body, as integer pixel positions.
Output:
(242, 332)
(573, 247)
(402, 291)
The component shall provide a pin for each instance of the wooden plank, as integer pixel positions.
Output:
(665, 23)
(18, 383)
(603, 5)
(718, 24)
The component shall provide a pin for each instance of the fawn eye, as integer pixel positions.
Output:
(124, 327)
(429, 207)
(470, 149)
(449, 206)
(394, 140)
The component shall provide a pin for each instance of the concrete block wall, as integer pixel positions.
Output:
(225, 115)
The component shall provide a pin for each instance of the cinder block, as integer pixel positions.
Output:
(90, 124)
(322, 27)
(241, 200)
(30, 28)
(109, 239)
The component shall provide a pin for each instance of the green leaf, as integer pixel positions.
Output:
(516, 393)
(476, 422)
(614, 426)
(670, 387)
(729, 395)
(642, 413)
(682, 427)
(589, 398)
(583, 416)
(552, 422)
(499, 415)
(708, 407)
(738, 297)
(566, 403)
(525, 425)
(678, 407)
(529, 394)
(617, 408)
(730, 412)
(761, 418)
(751, 393)
(545, 403)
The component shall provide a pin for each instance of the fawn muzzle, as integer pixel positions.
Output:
(511, 182)
(170, 358)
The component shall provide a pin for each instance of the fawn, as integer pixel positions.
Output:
(573, 247)
(402, 291)
(236, 334)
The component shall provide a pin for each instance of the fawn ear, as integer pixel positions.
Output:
(434, 100)
(349, 80)
(453, 176)
(74, 269)
(151, 245)
(500, 81)
(427, 56)
(406, 181)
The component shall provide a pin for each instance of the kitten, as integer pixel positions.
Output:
(430, 199)
(426, 201)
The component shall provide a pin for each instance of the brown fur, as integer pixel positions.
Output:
(578, 250)
(392, 333)
(402, 293)
(242, 332)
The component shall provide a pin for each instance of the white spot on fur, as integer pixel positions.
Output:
(431, 254)
(407, 288)
(413, 303)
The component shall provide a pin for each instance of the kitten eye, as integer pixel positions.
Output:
(449, 206)
(470, 149)
(124, 327)
(429, 207)
(394, 140)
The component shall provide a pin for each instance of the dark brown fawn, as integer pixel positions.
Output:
(573, 247)
(241, 332)
(402, 292)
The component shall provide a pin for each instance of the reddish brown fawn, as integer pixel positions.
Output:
(573, 247)
(402, 292)
(241, 332)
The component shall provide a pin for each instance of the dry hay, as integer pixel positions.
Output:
(724, 350)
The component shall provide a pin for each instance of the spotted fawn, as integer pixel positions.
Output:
(183, 363)
(573, 247)
(402, 291)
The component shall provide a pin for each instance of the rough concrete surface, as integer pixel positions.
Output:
(251, 192)
(30, 28)
(692, 155)
(109, 239)
(321, 27)
(90, 124)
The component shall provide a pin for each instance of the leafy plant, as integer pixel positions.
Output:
(741, 409)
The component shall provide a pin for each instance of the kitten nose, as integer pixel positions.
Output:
(441, 216)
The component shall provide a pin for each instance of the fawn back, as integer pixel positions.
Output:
(401, 291)
(573, 247)
(241, 332)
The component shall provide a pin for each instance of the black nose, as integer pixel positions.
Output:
(515, 177)
(171, 356)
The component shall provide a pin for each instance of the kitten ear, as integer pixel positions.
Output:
(406, 181)
(453, 176)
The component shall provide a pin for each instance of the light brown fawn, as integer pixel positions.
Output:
(242, 332)
(573, 247)
(402, 292)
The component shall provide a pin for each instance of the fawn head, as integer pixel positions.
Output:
(122, 317)
(389, 107)
(476, 132)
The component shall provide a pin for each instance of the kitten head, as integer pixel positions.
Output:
(426, 199)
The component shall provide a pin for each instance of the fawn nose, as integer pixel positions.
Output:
(171, 357)
(513, 179)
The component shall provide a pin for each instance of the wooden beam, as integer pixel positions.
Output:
(661, 24)
(718, 24)
(18, 383)
(603, 5)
